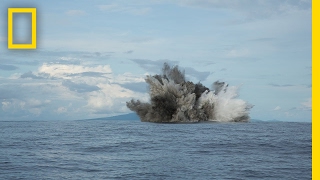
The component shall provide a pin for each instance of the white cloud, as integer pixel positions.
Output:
(61, 110)
(109, 7)
(98, 101)
(127, 78)
(252, 9)
(111, 97)
(32, 105)
(37, 103)
(288, 114)
(307, 104)
(62, 70)
(35, 111)
(93, 89)
(5, 105)
(277, 108)
(75, 13)
(235, 53)
(3, 39)
(63, 58)
(125, 9)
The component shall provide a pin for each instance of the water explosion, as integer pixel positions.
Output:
(173, 99)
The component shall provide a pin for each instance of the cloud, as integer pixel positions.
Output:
(124, 9)
(11, 91)
(153, 66)
(127, 78)
(129, 52)
(281, 85)
(277, 108)
(236, 53)
(64, 71)
(8, 67)
(262, 39)
(304, 106)
(61, 110)
(251, 9)
(197, 74)
(36, 103)
(79, 87)
(88, 74)
(31, 105)
(3, 39)
(156, 67)
(52, 57)
(297, 87)
(92, 89)
(30, 75)
(307, 105)
(76, 13)
(136, 86)
(109, 7)
(111, 97)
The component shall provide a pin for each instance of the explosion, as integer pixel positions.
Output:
(173, 100)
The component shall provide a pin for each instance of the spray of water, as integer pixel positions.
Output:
(173, 99)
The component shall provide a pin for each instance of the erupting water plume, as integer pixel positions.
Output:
(173, 99)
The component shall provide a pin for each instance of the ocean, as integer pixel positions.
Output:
(106, 149)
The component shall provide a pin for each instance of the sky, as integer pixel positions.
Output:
(92, 56)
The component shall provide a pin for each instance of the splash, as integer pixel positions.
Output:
(173, 99)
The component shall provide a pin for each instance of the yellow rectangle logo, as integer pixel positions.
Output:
(33, 12)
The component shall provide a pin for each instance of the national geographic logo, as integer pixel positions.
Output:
(33, 44)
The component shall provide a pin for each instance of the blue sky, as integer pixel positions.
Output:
(92, 56)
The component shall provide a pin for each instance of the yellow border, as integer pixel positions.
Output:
(315, 90)
(33, 44)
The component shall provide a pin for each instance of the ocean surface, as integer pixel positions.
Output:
(137, 150)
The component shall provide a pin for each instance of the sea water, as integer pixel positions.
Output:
(137, 150)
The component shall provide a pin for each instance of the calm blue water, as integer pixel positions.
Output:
(136, 150)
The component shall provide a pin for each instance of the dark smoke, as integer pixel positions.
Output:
(173, 99)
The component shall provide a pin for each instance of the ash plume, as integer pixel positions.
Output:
(173, 99)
